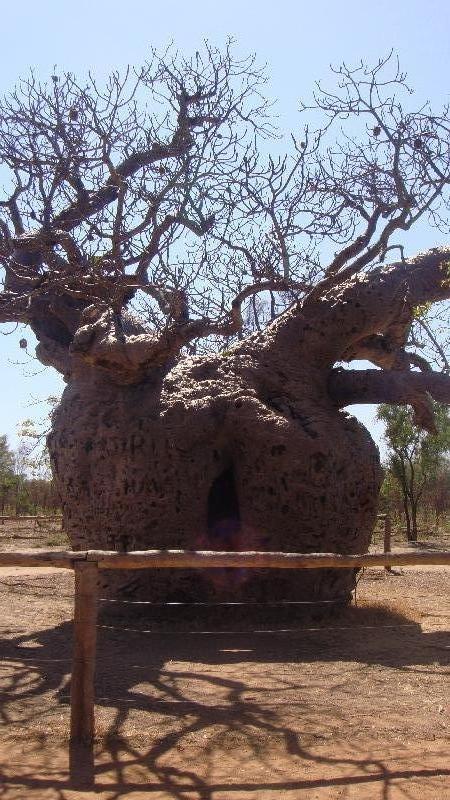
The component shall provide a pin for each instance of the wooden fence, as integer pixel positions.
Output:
(86, 565)
(387, 524)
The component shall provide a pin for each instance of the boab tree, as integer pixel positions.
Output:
(199, 297)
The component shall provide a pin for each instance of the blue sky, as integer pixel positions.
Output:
(297, 41)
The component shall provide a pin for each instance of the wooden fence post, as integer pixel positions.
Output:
(82, 695)
(387, 538)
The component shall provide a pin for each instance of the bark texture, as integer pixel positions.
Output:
(246, 450)
(211, 456)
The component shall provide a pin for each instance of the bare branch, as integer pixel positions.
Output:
(347, 387)
(150, 194)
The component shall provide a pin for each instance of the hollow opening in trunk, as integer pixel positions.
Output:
(224, 521)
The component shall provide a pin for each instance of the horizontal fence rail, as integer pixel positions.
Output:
(209, 559)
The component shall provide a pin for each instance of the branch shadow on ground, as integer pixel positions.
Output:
(163, 668)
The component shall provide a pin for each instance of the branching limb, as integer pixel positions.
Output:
(399, 387)
(169, 206)
(106, 339)
(370, 315)
(385, 353)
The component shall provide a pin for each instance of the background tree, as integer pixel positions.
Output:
(6, 472)
(416, 461)
(144, 223)
(25, 486)
(439, 494)
(33, 440)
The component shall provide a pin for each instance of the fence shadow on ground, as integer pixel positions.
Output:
(194, 716)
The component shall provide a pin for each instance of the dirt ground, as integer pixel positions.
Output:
(211, 703)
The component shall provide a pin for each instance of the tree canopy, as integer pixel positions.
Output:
(6, 457)
(158, 214)
(414, 458)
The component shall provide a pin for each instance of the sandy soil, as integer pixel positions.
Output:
(233, 702)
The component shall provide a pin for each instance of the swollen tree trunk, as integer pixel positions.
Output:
(235, 452)
(246, 450)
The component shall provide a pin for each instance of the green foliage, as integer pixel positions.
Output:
(20, 491)
(415, 459)
(446, 269)
(6, 457)
(421, 311)
(7, 476)
(406, 440)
